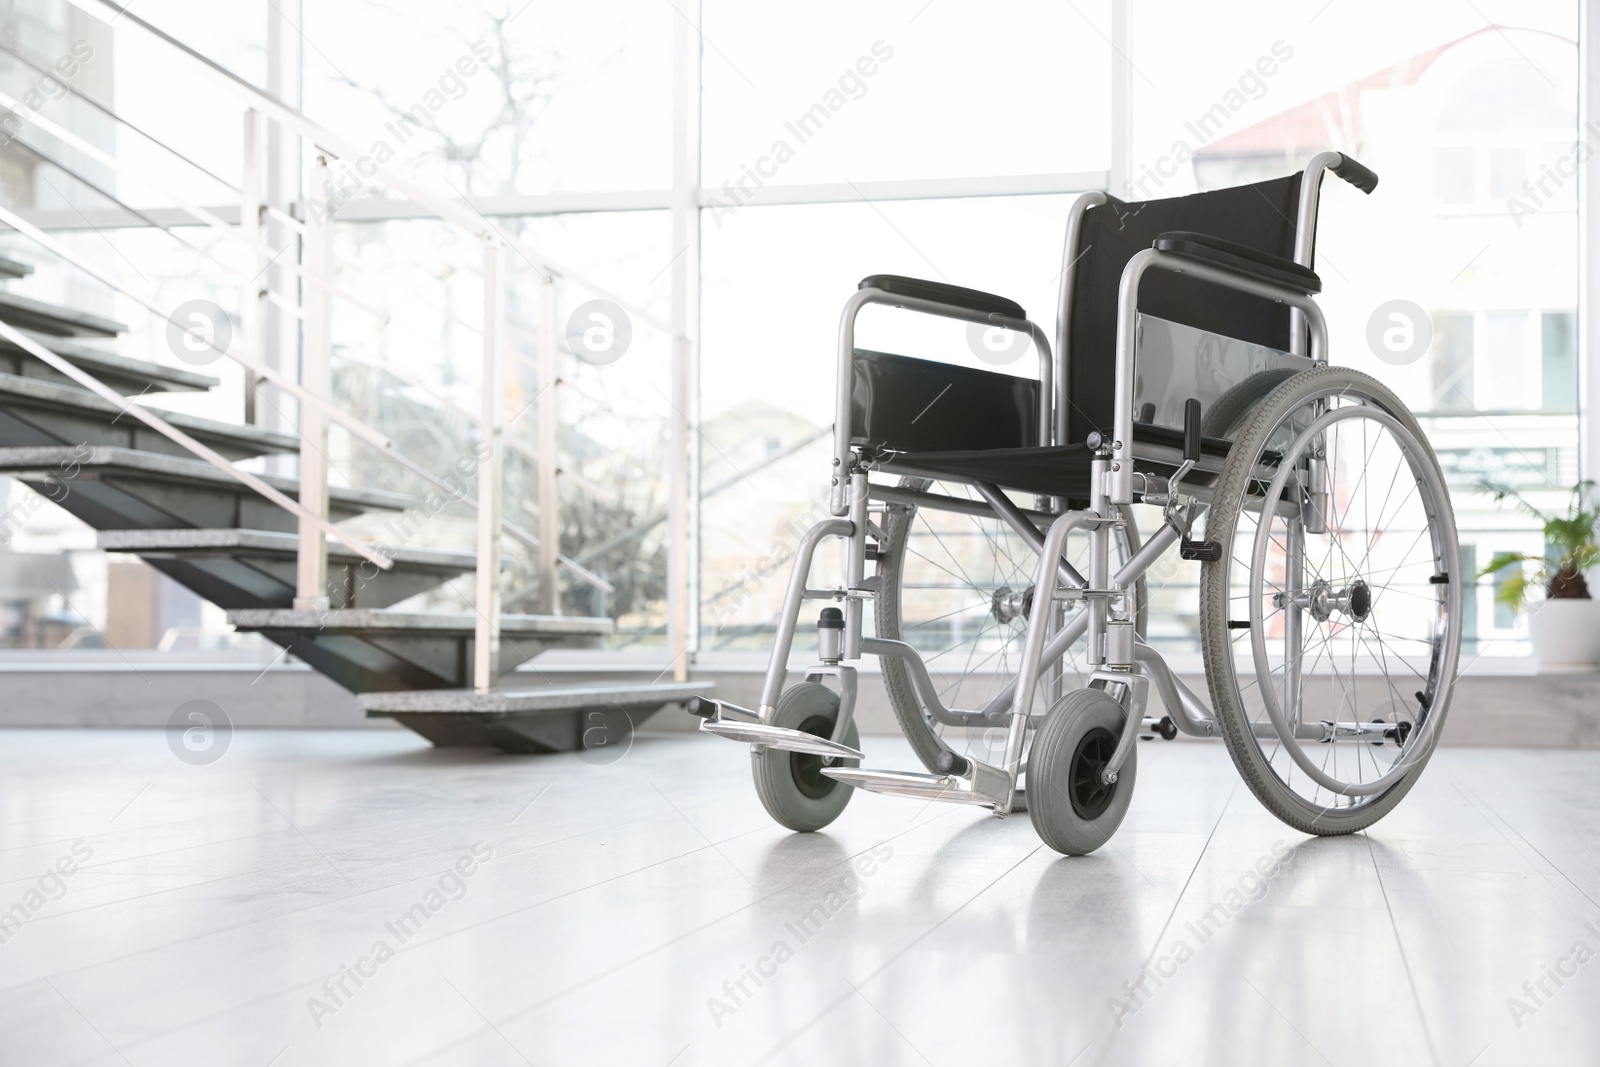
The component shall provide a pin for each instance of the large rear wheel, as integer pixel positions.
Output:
(1331, 626)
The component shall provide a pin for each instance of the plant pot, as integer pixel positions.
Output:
(1566, 634)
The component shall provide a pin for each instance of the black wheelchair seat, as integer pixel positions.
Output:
(1058, 470)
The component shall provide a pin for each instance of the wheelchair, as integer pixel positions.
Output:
(1010, 589)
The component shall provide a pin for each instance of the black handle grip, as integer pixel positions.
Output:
(1191, 430)
(1356, 174)
(702, 707)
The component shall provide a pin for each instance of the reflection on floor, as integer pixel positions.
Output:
(357, 898)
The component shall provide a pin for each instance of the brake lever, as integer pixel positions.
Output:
(1180, 508)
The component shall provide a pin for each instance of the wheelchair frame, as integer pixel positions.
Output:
(1121, 663)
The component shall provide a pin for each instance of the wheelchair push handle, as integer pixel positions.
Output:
(1355, 173)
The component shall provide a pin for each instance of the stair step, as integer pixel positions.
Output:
(533, 700)
(29, 314)
(124, 489)
(129, 376)
(37, 412)
(405, 622)
(240, 569)
(373, 650)
(599, 718)
(11, 268)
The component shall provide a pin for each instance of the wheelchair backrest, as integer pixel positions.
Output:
(1261, 216)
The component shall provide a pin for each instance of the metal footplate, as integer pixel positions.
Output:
(969, 781)
(741, 724)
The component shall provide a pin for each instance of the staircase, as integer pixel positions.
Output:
(279, 554)
(148, 496)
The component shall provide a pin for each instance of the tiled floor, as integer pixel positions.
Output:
(359, 898)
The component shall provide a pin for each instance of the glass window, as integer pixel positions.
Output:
(848, 92)
(1507, 168)
(1454, 175)
(1470, 129)
(1451, 354)
(1558, 339)
(413, 371)
(1505, 361)
(1504, 617)
(775, 281)
(547, 97)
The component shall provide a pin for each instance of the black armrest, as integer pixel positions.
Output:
(1241, 259)
(954, 295)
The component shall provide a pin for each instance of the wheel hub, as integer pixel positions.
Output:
(807, 767)
(1089, 792)
(1321, 600)
(1008, 605)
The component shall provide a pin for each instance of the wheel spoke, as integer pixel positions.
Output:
(1348, 650)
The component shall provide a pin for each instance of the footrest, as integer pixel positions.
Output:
(759, 733)
(948, 787)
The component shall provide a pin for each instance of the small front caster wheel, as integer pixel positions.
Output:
(791, 785)
(1072, 808)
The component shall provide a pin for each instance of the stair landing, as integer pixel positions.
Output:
(597, 719)
(379, 650)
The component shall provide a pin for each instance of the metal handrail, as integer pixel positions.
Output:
(314, 314)
(27, 61)
(166, 429)
(200, 214)
(352, 423)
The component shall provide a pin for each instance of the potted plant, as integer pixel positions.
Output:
(1565, 627)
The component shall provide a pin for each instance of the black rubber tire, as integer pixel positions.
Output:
(1229, 410)
(1081, 724)
(789, 784)
(1216, 641)
(919, 732)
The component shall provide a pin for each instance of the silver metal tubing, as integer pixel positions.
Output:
(939, 502)
(1068, 635)
(1305, 233)
(1192, 704)
(1294, 539)
(779, 737)
(922, 682)
(316, 355)
(1168, 687)
(731, 712)
(1121, 480)
(1172, 457)
(847, 694)
(1025, 528)
(855, 563)
(1134, 687)
(1306, 731)
(1033, 644)
(778, 664)
(1069, 262)
(491, 422)
(845, 372)
(1099, 562)
(1305, 221)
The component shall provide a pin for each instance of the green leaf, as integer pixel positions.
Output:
(1513, 591)
(1502, 560)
